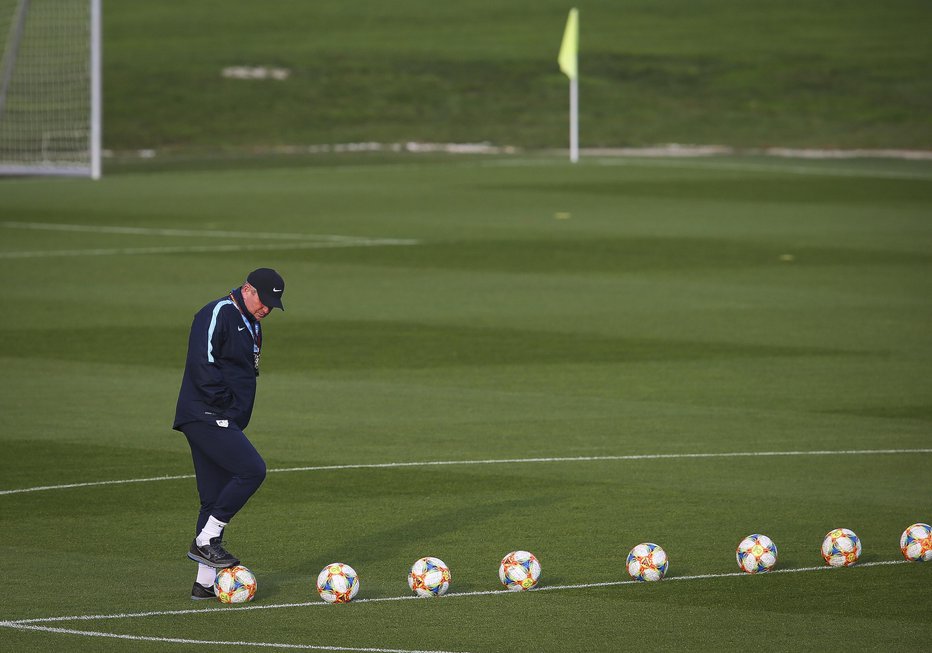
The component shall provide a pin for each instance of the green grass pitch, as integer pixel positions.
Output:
(480, 309)
(793, 73)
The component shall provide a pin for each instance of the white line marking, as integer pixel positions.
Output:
(304, 241)
(499, 461)
(95, 483)
(219, 643)
(131, 251)
(648, 456)
(198, 233)
(412, 597)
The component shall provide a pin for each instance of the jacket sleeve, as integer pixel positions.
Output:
(207, 344)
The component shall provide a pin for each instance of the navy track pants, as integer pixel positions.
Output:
(229, 470)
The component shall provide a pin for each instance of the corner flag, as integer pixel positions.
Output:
(570, 47)
(568, 60)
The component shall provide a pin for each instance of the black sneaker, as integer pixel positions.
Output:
(212, 554)
(199, 592)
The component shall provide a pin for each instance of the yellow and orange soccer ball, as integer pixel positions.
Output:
(337, 583)
(916, 543)
(429, 577)
(841, 547)
(756, 554)
(647, 562)
(519, 571)
(235, 585)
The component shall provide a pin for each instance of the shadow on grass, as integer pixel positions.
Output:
(391, 543)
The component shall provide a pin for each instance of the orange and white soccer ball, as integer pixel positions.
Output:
(916, 543)
(647, 562)
(235, 585)
(429, 577)
(756, 554)
(841, 547)
(519, 571)
(337, 583)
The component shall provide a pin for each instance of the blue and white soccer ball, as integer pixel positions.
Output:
(756, 553)
(647, 562)
(429, 577)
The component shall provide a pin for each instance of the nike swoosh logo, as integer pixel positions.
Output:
(240, 328)
(277, 289)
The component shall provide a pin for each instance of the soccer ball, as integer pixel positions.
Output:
(519, 571)
(756, 553)
(647, 562)
(916, 543)
(841, 548)
(429, 577)
(337, 583)
(235, 585)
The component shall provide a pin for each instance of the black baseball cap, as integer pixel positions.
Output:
(270, 286)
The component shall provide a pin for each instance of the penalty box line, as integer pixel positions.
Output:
(550, 588)
(495, 461)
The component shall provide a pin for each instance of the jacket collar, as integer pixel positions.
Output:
(238, 296)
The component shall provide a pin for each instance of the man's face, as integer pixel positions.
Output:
(253, 304)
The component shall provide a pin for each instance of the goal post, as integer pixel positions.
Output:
(50, 87)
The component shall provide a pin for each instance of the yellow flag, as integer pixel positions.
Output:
(570, 46)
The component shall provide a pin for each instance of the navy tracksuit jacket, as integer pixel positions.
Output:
(219, 375)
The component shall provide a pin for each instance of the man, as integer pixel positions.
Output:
(214, 406)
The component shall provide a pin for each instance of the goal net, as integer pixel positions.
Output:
(50, 87)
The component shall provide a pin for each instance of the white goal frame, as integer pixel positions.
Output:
(31, 153)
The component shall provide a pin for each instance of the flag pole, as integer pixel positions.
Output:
(569, 64)
(574, 120)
